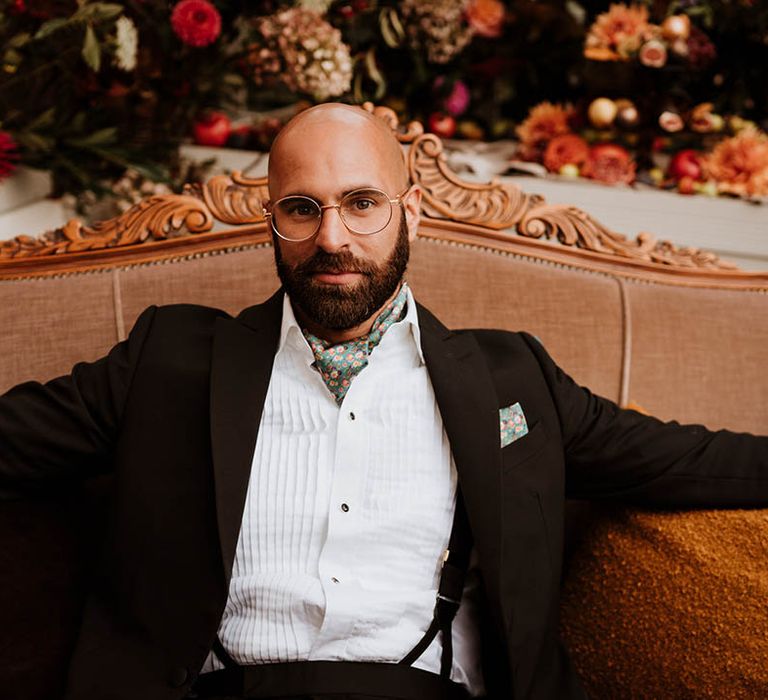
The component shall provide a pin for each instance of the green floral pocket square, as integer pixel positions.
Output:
(512, 424)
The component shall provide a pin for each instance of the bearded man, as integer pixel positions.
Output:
(332, 495)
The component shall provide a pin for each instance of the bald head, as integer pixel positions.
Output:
(353, 140)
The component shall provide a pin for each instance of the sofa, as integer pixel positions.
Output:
(655, 604)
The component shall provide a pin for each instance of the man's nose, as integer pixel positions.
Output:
(332, 235)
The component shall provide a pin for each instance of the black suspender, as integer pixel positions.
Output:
(449, 593)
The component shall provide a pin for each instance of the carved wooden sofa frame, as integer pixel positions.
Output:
(225, 214)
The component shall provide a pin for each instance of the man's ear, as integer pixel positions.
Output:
(412, 208)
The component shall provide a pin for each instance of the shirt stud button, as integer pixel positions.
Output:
(334, 579)
(345, 507)
(351, 416)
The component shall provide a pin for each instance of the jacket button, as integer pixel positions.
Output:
(179, 676)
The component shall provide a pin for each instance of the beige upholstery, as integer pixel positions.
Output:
(577, 316)
(700, 355)
(49, 324)
(230, 282)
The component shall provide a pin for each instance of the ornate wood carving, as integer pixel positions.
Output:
(445, 195)
(574, 227)
(231, 200)
(238, 200)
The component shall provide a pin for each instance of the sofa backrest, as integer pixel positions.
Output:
(671, 349)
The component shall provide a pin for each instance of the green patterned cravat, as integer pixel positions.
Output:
(340, 364)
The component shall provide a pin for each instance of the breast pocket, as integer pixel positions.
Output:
(524, 448)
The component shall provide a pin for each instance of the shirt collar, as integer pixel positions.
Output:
(291, 335)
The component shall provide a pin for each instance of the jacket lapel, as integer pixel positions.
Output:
(468, 405)
(243, 353)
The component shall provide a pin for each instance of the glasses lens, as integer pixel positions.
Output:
(296, 217)
(366, 211)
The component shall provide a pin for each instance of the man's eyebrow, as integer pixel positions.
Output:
(344, 193)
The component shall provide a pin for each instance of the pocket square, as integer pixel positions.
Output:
(512, 424)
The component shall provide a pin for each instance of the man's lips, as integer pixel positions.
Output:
(338, 277)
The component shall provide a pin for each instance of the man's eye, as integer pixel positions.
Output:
(300, 209)
(360, 204)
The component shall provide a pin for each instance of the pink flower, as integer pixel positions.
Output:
(196, 22)
(457, 102)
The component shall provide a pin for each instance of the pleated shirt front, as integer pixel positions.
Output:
(348, 512)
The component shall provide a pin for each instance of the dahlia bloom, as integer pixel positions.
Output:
(566, 149)
(739, 164)
(544, 122)
(609, 163)
(196, 22)
(618, 33)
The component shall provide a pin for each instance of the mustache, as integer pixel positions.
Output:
(335, 263)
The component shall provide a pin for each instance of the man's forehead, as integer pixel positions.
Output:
(348, 144)
(335, 117)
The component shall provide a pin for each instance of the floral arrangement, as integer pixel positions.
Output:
(624, 33)
(90, 89)
(564, 142)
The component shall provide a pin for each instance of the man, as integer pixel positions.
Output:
(288, 482)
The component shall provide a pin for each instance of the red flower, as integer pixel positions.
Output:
(9, 155)
(564, 150)
(196, 22)
(609, 163)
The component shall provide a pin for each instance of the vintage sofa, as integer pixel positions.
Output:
(655, 605)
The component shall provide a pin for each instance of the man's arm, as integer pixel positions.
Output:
(67, 427)
(617, 453)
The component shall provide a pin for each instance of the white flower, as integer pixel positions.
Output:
(127, 44)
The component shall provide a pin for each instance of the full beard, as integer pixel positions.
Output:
(341, 307)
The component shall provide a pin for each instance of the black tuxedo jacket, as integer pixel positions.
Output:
(174, 412)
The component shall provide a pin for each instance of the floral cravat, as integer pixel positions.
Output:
(340, 364)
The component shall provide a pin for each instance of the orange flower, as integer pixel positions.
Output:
(618, 32)
(740, 164)
(609, 163)
(486, 17)
(565, 149)
(544, 122)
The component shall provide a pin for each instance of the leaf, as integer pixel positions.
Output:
(43, 120)
(35, 142)
(98, 12)
(102, 137)
(91, 49)
(77, 125)
(375, 74)
(19, 40)
(152, 171)
(50, 27)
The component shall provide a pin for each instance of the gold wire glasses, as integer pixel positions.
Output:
(364, 211)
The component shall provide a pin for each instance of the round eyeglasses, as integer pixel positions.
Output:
(364, 211)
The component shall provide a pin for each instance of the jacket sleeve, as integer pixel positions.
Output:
(618, 453)
(66, 429)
